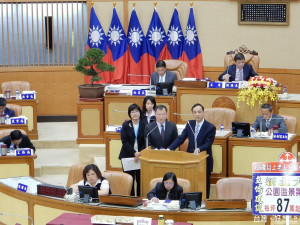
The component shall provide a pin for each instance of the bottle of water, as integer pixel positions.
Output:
(284, 92)
(253, 132)
(7, 119)
(11, 148)
(17, 95)
(222, 130)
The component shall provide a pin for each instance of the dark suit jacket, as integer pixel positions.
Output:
(128, 139)
(161, 193)
(155, 138)
(170, 77)
(205, 140)
(25, 143)
(152, 119)
(9, 112)
(247, 72)
(276, 120)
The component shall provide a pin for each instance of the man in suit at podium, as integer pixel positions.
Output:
(267, 120)
(162, 75)
(238, 71)
(205, 133)
(161, 133)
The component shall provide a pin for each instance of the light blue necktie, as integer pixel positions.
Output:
(197, 129)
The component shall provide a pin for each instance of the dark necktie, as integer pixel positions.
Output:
(162, 131)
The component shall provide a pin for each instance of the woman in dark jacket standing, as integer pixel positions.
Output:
(167, 189)
(133, 141)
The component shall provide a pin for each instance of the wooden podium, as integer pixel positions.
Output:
(156, 163)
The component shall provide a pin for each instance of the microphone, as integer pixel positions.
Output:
(23, 216)
(120, 111)
(227, 63)
(147, 140)
(141, 75)
(182, 114)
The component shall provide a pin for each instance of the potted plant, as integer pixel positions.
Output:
(92, 65)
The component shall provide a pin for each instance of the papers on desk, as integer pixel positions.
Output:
(129, 164)
(163, 205)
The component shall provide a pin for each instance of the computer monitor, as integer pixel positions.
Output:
(240, 129)
(190, 200)
(164, 88)
(87, 192)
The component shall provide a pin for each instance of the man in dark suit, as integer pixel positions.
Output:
(268, 120)
(162, 133)
(205, 133)
(5, 110)
(162, 75)
(18, 139)
(238, 71)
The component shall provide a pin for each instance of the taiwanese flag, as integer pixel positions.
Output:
(157, 39)
(192, 50)
(117, 50)
(97, 39)
(175, 37)
(138, 57)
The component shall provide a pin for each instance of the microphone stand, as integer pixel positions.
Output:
(28, 217)
(195, 138)
(141, 75)
(147, 140)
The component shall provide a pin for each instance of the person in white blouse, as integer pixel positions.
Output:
(149, 105)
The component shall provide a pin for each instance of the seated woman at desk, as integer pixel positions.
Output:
(93, 177)
(167, 189)
(149, 105)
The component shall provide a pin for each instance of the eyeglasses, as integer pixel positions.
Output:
(169, 183)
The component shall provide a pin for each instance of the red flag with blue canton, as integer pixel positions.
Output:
(175, 37)
(138, 57)
(117, 49)
(192, 50)
(157, 39)
(97, 39)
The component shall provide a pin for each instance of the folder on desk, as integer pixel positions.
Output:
(129, 164)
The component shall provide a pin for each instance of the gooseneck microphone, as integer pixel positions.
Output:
(141, 75)
(23, 216)
(147, 140)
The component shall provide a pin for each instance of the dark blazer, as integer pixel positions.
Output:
(155, 138)
(128, 139)
(170, 77)
(276, 120)
(9, 112)
(152, 119)
(25, 143)
(161, 193)
(205, 139)
(247, 72)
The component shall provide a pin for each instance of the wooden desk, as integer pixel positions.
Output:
(90, 122)
(43, 210)
(29, 109)
(243, 151)
(121, 103)
(15, 127)
(16, 166)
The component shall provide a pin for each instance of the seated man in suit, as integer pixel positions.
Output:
(204, 132)
(267, 120)
(18, 139)
(161, 133)
(5, 110)
(238, 71)
(162, 75)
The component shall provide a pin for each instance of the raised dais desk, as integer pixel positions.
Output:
(16, 166)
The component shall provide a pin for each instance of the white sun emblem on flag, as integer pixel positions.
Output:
(115, 35)
(156, 36)
(191, 35)
(135, 36)
(174, 35)
(95, 35)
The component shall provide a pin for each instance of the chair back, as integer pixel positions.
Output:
(178, 67)
(218, 116)
(75, 174)
(251, 57)
(234, 188)
(291, 123)
(16, 108)
(6, 132)
(184, 183)
(15, 85)
(120, 183)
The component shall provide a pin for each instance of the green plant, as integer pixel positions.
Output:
(92, 65)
